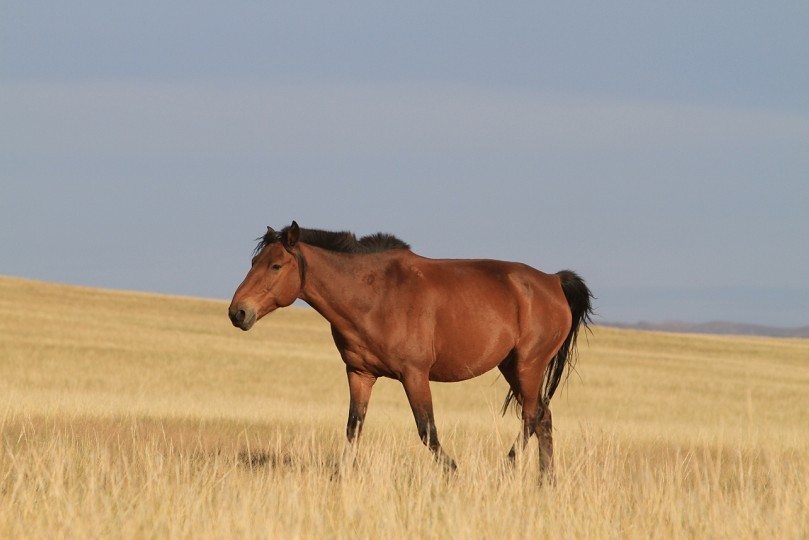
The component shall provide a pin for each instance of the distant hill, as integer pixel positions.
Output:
(715, 327)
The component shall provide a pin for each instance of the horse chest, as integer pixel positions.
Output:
(382, 359)
(362, 359)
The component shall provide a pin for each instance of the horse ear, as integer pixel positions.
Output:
(270, 230)
(293, 234)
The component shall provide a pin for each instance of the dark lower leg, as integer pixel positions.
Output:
(359, 386)
(528, 426)
(544, 432)
(529, 414)
(417, 388)
(429, 436)
(356, 417)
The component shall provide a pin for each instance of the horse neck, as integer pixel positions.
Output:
(334, 284)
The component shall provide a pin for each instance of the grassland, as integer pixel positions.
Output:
(128, 415)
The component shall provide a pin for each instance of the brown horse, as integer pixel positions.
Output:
(398, 315)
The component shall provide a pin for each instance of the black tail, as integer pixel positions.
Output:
(578, 298)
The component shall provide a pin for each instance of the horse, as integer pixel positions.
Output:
(396, 314)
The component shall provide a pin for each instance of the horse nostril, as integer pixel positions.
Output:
(242, 317)
(238, 316)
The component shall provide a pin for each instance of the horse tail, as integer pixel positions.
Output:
(581, 310)
(578, 298)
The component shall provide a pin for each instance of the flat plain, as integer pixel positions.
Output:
(130, 415)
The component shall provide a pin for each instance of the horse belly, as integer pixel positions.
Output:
(476, 327)
(473, 352)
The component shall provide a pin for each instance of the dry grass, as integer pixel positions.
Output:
(137, 416)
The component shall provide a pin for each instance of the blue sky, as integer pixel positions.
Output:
(659, 149)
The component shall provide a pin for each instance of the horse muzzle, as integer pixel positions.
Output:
(242, 317)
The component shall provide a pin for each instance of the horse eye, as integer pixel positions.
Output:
(276, 267)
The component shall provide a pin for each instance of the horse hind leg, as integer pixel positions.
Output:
(536, 414)
(507, 368)
(528, 429)
(541, 424)
(544, 431)
(521, 386)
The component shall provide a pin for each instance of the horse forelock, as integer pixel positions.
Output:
(271, 237)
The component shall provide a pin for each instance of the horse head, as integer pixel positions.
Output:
(275, 278)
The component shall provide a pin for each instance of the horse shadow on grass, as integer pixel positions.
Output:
(286, 462)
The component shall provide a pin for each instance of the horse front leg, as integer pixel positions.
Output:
(360, 385)
(417, 387)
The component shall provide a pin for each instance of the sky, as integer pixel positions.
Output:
(660, 149)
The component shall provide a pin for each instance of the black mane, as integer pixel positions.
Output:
(342, 242)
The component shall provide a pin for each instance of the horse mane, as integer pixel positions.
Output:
(341, 242)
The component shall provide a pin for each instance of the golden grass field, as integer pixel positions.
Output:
(128, 415)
